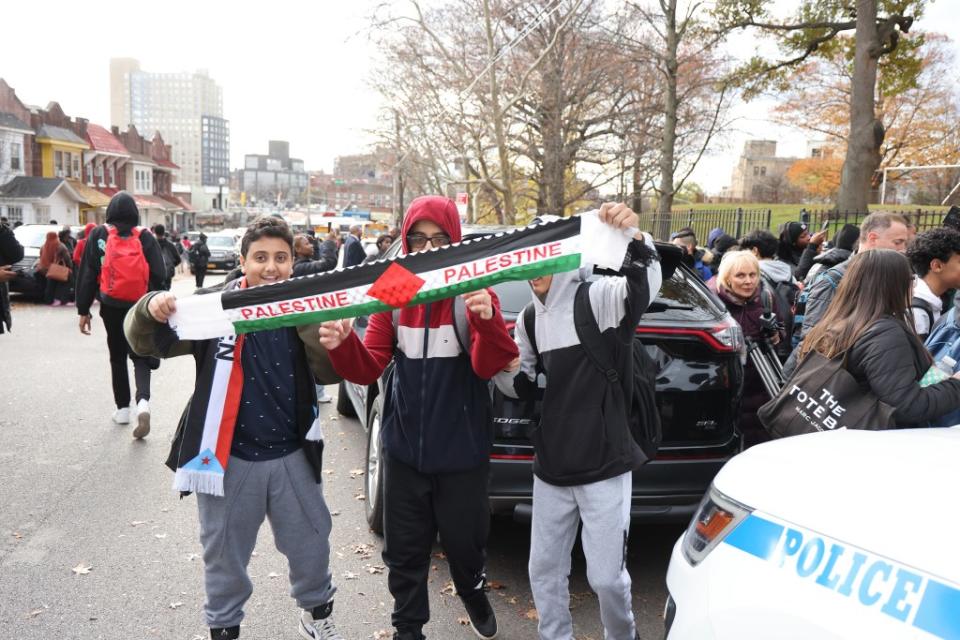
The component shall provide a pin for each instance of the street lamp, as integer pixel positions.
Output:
(222, 182)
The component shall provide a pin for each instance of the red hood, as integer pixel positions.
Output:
(437, 209)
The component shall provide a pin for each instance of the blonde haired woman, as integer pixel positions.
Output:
(739, 287)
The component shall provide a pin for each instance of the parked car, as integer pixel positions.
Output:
(837, 534)
(698, 347)
(223, 251)
(32, 237)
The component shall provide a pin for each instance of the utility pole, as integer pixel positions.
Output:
(397, 205)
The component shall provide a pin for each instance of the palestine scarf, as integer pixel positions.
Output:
(417, 278)
(204, 455)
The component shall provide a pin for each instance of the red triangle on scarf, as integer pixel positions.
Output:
(396, 287)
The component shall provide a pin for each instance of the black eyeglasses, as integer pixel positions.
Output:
(417, 241)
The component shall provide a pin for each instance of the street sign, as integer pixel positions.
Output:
(463, 200)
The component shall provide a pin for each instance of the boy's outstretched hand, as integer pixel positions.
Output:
(162, 306)
(619, 215)
(334, 332)
(479, 302)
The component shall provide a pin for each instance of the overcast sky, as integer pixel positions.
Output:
(289, 70)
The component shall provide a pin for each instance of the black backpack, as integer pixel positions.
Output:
(787, 295)
(644, 417)
(927, 308)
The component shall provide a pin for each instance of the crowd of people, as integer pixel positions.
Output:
(871, 296)
(868, 296)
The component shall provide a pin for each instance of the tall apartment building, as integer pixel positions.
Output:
(187, 110)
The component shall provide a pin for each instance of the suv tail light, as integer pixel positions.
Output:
(726, 337)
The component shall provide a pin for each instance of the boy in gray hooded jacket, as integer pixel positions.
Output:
(585, 452)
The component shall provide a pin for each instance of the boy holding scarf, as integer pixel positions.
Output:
(249, 444)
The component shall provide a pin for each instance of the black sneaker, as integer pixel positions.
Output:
(408, 634)
(230, 633)
(482, 619)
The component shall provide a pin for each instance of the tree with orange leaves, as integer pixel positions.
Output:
(818, 178)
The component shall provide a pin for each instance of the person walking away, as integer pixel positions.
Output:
(171, 257)
(53, 252)
(935, 258)
(270, 466)
(121, 262)
(438, 397)
(842, 248)
(199, 259)
(867, 324)
(353, 253)
(11, 252)
(739, 287)
(880, 230)
(82, 243)
(585, 452)
(798, 248)
(777, 276)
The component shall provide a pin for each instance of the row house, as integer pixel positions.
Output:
(53, 167)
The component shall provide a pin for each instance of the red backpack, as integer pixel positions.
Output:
(124, 273)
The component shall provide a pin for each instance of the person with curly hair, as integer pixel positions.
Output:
(935, 258)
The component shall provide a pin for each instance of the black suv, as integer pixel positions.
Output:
(698, 347)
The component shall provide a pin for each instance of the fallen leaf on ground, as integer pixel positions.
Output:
(355, 473)
(359, 496)
(159, 536)
(448, 589)
(273, 574)
(441, 555)
(334, 513)
(176, 605)
(464, 620)
(193, 556)
(81, 569)
(383, 634)
(493, 584)
(350, 575)
(375, 569)
(137, 523)
(531, 614)
(18, 535)
(34, 613)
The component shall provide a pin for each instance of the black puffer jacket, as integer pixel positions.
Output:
(826, 260)
(889, 360)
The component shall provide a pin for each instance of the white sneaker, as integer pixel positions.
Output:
(322, 629)
(322, 396)
(122, 416)
(143, 420)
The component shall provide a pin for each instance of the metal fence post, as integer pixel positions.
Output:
(739, 225)
(766, 226)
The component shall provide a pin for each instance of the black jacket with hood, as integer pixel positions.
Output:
(122, 213)
(11, 252)
(583, 435)
(889, 360)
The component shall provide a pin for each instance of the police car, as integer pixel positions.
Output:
(842, 534)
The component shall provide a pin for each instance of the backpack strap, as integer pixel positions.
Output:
(927, 308)
(529, 314)
(588, 333)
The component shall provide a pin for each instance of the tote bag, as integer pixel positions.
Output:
(822, 396)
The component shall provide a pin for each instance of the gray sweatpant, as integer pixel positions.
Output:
(284, 490)
(604, 508)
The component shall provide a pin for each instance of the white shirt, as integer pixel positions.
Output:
(920, 318)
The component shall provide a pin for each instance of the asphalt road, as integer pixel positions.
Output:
(95, 544)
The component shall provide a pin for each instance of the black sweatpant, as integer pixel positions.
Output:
(199, 273)
(119, 351)
(416, 507)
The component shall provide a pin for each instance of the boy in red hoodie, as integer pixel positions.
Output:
(435, 428)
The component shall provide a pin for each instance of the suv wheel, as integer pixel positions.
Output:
(373, 479)
(344, 406)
